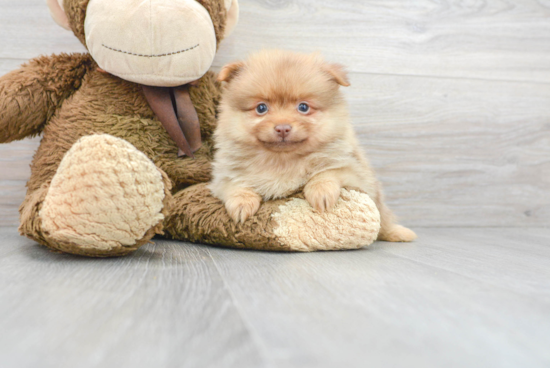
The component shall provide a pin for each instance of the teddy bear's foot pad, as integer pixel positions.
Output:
(105, 199)
(353, 223)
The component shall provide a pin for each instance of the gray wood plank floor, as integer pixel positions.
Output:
(459, 297)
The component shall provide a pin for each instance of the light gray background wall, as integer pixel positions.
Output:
(451, 99)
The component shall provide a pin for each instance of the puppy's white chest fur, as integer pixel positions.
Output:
(276, 179)
(274, 175)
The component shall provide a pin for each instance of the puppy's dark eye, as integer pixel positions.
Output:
(303, 108)
(261, 109)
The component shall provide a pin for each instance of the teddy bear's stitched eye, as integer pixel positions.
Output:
(303, 108)
(261, 109)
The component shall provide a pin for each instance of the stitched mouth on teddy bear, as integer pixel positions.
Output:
(152, 55)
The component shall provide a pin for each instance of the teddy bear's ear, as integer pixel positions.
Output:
(58, 13)
(229, 71)
(232, 7)
(338, 74)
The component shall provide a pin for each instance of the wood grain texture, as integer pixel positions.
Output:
(455, 298)
(460, 153)
(458, 297)
(164, 306)
(29, 31)
(449, 98)
(484, 39)
(15, 159)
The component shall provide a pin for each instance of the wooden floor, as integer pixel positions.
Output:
(455, 298)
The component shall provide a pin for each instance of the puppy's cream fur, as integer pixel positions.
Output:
(320, 154)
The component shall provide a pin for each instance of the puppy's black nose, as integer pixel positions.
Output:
(283, 130)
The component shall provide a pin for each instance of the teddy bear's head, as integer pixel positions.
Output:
(152, 42)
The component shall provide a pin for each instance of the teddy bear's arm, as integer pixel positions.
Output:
(30, 95)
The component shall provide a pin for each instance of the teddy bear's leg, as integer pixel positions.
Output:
(281, 225)
(106, 199)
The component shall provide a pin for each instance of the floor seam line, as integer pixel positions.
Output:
(351, 71)
(257, 340)
(459, 274)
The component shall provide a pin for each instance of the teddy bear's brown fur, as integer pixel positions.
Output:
(65, 98)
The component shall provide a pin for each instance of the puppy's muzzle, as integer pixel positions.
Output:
(283, 130)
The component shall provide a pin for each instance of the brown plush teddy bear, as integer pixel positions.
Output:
(127, 138)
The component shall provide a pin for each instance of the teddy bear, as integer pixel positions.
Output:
(127, 142)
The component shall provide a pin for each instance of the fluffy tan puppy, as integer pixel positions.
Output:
(283, 127)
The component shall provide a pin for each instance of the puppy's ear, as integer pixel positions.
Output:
(338, 74)
(229, 71)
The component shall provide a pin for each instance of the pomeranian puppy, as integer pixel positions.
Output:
(284, 126)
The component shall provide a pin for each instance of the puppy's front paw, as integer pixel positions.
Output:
(242, 205)
(322, 195)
